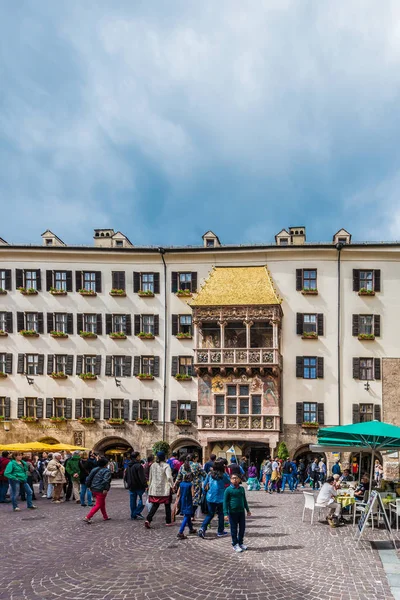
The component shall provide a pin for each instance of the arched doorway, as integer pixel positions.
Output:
(305, 453)
(117, 450)
(49, 440)
(365, 469)
(187, 446)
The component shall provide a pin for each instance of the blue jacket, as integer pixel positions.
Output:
(216, 488)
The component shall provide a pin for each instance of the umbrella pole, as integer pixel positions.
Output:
(359, 468)
(371, 471)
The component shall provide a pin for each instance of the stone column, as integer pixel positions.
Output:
(222, 333)
(196, 324)
(275, 334)
(248, 332)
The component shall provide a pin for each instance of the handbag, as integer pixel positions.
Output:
(204, 505)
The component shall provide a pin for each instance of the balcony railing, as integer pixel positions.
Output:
(237, 356)
(240, 422)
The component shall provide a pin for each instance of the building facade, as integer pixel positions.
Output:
(115, 345)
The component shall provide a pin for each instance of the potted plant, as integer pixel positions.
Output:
(2, 418)
(309, 335)
(29, 333)
(113, 421)
(3, 333)
(183, 377)
(145, 376)
(184, 293)
(58, 420)
(144, 422)
(29, 419)
(117, 292)
(145, 336)
(88, 376)
(87, 420)
(365, 292)
(181, 422)
(58, 375)
(366, 336)
(55, 292)
(184, 336)
(311, 424)
(84, 292)
(58, 334)
(3, 291)
(146, 293)
(2, 375)
(118, 335)
(88, 334)
(27, 291)
(309, 291)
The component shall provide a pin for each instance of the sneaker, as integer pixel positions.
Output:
(90, 504)
(16, 509)
(331, 522)
(243, 547)
(223, 534)
(88, 521)
(140, 517)
(237, 548)
(181, 536)
(193, 532)
(147, 524)
(57, 501)
(168, 524)
(33, 507)
(43, 496)
(77, 501)
(107, 519)
(201, 534)
(83, 504)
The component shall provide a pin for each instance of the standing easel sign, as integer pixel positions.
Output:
(374, 500)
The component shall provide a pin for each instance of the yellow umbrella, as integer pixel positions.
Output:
(60, 447)
(27, 447)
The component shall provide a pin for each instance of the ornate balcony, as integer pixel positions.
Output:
(240, 422)
(234, 357)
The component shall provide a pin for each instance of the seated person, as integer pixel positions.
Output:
(336, 481)
(346, 476)
(326, 497)
(362, 487)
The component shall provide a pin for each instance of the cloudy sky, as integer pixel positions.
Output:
(166, 119)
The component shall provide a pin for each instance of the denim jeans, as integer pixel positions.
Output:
(287, 478)
(14, 486)
(50, 490)
(3, 490)
(136, 502)
(187, 520)
(267, 480)
(85, 490)
(237, 522)
(214, 507)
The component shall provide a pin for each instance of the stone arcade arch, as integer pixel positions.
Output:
(111, 442)
(187, 444)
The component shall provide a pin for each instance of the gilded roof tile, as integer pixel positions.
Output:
(235, 286)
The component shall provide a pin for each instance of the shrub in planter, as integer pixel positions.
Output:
(87, 420)
(309, 335)
(161, 447)
(182, 422)
(87, 376)
(2, 418)
(118, 335)
(184, 336)
(59, 375)
(3, 291)
(29, 419)
(58, 419)
(365, 292)
(311, 424)
(117, 292)
(183, 293)
(29, 333)
(145, 293)
(145, 376)
(116, 421)
(144, 422)
(3, 333)
(366, 336)
(58, 334)
(87, 334)
(55, 292)
(84, 292)
(283, 452)
(27, 291)
(2, 374)
(309, 291)
(183, 377)
(145, 336)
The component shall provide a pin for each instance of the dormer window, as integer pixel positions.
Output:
(49, 242)
(284, 242)
(210, 243)
(119, 243)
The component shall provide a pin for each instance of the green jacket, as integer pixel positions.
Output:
(235, 500)
(72, 466)
(16, 471)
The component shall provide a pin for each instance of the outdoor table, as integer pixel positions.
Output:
(345, 500)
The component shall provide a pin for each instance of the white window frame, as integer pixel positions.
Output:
(32, 364)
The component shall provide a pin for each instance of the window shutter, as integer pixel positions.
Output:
(98, 282)
(174, 365)
(321, 414)
(109, 360)
(320, 367)
(155, 405)
(377, 412)
(49, 280)
(194, 282)
(79, 323)
(299, 281)
(9, 322)
(126, 409)
(136, 282)
(377, 280)
(193, 412)
(97, 368)
(50, 363)
(320, 324)
(9, 362)
(21, 363)
(40, 364)
(70, 324)
(78, 280)
(299, 413)
(136, 365)
(38, 280)
(356, 413)
(356, 369)
(49, 408)
(299, 367)
(40, 323)
(96, 412)
(107, 403)
(128, 324)
(299, 323)
(39, 408)
(156, 325)
(128, 366)
(156, 366)
(69, 366)
(8, 279)
(68, 277)
(20, 321)
(135, 410)
(137, 324)
(108, 324)
(50, 324)
(78, 408)
(174, 410)
(377, 325)
(174, 282)
(19, 278)
(7, 412)
(156, 283)
(79, 364)
(99, 325)
(377, 368)
(356, 325)
(175, 324)
(21, 408)
(356, 282)
(68, 408)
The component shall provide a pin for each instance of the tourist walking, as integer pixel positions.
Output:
(314, 474)
(85, 467)
(287, 475)
(4, 460)
(74, 471)
(322, 471)
(191, 465)
(41, 467)
(302, 472)
(252, 478)
(185, 498)
(160, 489)
(214, 485)
(99, 482)
(56, 474)
(135, 482)
(17, 474)
(235, 505)
(267, 470)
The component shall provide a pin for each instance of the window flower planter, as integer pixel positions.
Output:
(184, 336)
(182, 377)
(184, 293)
(58, 420)
(116, 421)
(365, 292)
(145, 294)
(118, 335)
(310, 425)
(27, 291)
(87, 420)
(115, 292)
(56, 292)
(145, 336)
(3, 333)
(88, 376)
(145, 377)
(88, 334)
(29, 419)
(2, 419)
(182, 422)
(60, 375)
(366, 336)
(312, 335)
(87, 292)
(310, 292)
(3, 375)
(3, 292)
(29, 333)
(146, 422)
(58, 334)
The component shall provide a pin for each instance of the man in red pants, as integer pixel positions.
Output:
(99, 482)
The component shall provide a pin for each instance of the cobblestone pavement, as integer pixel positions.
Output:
(51, 553)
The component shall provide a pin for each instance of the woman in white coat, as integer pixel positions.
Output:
(160, 489)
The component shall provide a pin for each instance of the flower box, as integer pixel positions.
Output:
(145, 294)
(3, 333)
(2, 418)
(3, 375)
(184, 336)
(366, 336)
(29, 419)
(116, 421)
(116, 335)
(87, 376)
(29, 333)
(312, 335)
(310, 424)
(60, 375)
(365, 292)
(87, 420)
(181, 422)
(146, 422)
(115, 292)
(184, 293)
(88, 334)
(145, 336)
(87, 292)
(2, 292)
(182, 377)
(56, 292)
(58, 420)
(27, 291)
(145, 377)
(310, 292)
(58, 334)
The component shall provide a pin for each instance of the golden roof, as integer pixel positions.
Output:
(237, 286)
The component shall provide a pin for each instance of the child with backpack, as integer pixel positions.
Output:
(185, 496)
(235, 505)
